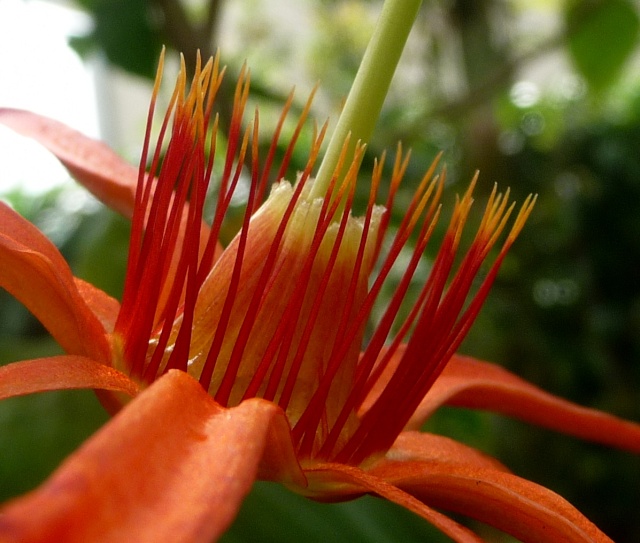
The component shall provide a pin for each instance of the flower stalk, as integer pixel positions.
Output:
(369, 90)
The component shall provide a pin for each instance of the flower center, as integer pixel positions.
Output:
(281, 313)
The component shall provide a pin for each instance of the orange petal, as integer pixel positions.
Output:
(279, 462)
(36, 274)
(171, 466)
(61, 372)
(112, 180)
(92, 163)
(341, 481)
(519, 507)
(467, 382)
(101, 304)
(424, 447)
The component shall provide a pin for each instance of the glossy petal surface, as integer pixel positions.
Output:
(36, 274)
(467, 382)
(96, 166)
(172, 466)
(418, 446)
(519, 507)
(101, 304)
(61, 373)
(92, 163)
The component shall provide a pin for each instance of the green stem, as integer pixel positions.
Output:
(370, 87)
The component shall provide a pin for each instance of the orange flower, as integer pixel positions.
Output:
(243, 363)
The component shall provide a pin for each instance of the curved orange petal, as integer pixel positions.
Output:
(279, 462)
(101, 304)
(171, 466)
(467, 382)
(341, 481)
(92, 163)
(61, 372)
(519, 507)
(36, 274)
(424, 447)
(96, 166)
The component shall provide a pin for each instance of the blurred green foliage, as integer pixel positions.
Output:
(565, 311)
(125, 32)
(601, 36)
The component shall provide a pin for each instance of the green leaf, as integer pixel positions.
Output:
(39, 431)
(125, 31)
(273, 514)
(601, 35)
